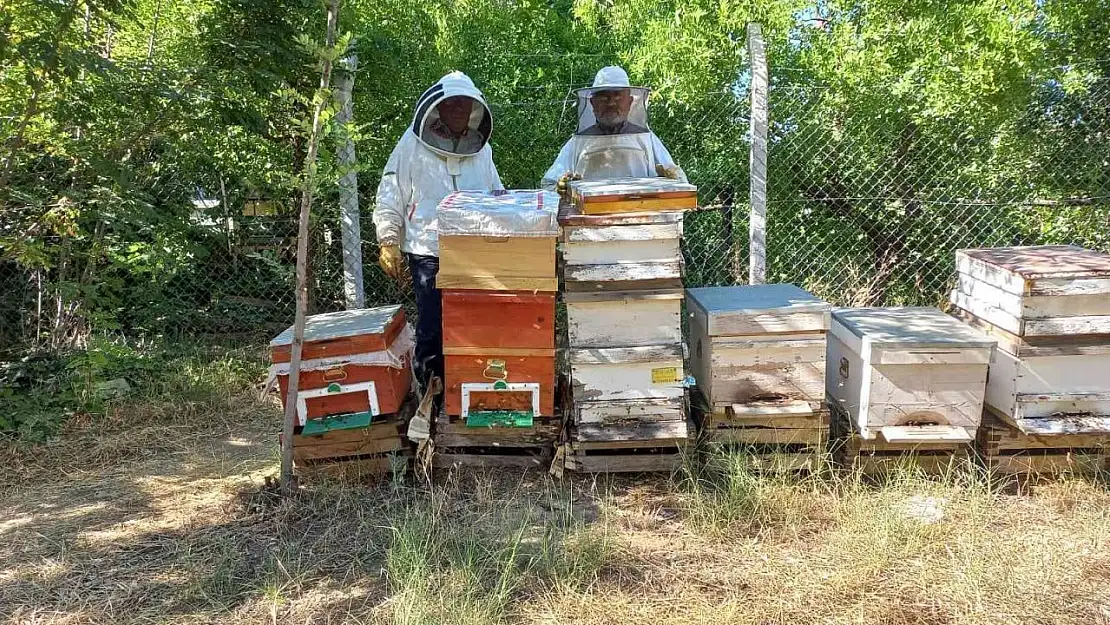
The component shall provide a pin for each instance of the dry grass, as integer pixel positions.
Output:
(158, 515)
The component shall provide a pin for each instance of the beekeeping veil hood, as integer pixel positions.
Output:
(612, 106)
(431, 129)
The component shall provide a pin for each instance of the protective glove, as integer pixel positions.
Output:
(391, 261)
(664, 171)
(563, 185)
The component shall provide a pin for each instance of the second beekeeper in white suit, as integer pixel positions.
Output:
(445, 149)
(613, 139)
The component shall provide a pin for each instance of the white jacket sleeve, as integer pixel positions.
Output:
(494, 177)
(663, 157)
(393, 195)
(561, 166)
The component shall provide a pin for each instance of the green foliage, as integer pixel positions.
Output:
(899, 131)
(41, 390)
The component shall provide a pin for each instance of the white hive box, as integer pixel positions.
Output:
(1042, 291)
(762, 343)
(1049, 308)
(907, 374)
(622, 251)
(625, 353)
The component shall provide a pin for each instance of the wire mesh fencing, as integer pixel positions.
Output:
(868, 200)
(867, 207)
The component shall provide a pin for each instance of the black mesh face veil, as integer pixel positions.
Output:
(612, 110)
(452, 117)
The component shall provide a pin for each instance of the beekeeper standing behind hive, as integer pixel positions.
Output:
(613, 139)
(446, 149)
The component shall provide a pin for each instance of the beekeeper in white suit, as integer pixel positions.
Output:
(445, 149)
(613, 139)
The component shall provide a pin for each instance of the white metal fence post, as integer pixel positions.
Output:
(757, 159)
(351, 233)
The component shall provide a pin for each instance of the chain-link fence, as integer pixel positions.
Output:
(869, 197)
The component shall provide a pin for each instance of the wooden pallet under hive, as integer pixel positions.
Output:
(1006, 450)
(351, 453)
(896, 448)
(627, 448)
(457, 445)
(779, 436)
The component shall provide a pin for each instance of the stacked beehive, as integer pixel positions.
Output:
(1048, 396)
(758, 354)
(622, 277)
(498, 283)
(906, 384)
(352, 394)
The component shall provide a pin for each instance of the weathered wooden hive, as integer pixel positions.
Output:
(906, 380)
(758, 354)
(498, 283)
(352, 390)
(1049, 387)
(622, 278)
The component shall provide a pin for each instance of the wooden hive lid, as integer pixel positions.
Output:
(757, 299)
(908, 328)
(571, 214)
(344, 332)
(615, 189)
(775, 308)
(1041, 262)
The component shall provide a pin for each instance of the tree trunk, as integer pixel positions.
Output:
(288, 486)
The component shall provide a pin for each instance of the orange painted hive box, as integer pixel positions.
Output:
(352, 361)
(499, 351)
(632, 195)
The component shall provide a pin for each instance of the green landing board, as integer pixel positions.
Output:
(351, 421)
(499, 418)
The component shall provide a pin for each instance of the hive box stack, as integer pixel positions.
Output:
(1048, 396)
(758, 354)
(352, 405)
(905, 380)
(622, 286)
(498, 283)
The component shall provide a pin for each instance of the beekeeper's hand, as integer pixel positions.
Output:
(392, 262)
(563, 185)
(665, 171)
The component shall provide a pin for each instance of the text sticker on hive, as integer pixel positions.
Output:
(664, 375)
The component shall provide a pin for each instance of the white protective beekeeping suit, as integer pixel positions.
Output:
(614, 141)
(429, 163)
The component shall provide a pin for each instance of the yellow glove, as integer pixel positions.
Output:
(664, 171)
(391, 261)
(563, 185)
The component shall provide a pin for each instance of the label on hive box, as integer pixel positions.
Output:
(665, 375)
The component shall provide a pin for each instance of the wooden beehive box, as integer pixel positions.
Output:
(352, 361)
(759, 344)
(498, 242)
(625, 352)
(621, 252)
(632, 195)
(499, 336)
(650, 375)
(1035, 391)
(1042, 291)
(907, 374)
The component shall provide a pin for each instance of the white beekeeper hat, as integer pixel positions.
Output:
(613, 78)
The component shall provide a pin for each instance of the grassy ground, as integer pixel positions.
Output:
(155, 514)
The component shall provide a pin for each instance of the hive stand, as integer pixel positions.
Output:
(1006, 450)
(777, 440)
(354, 453)
(883, 456)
